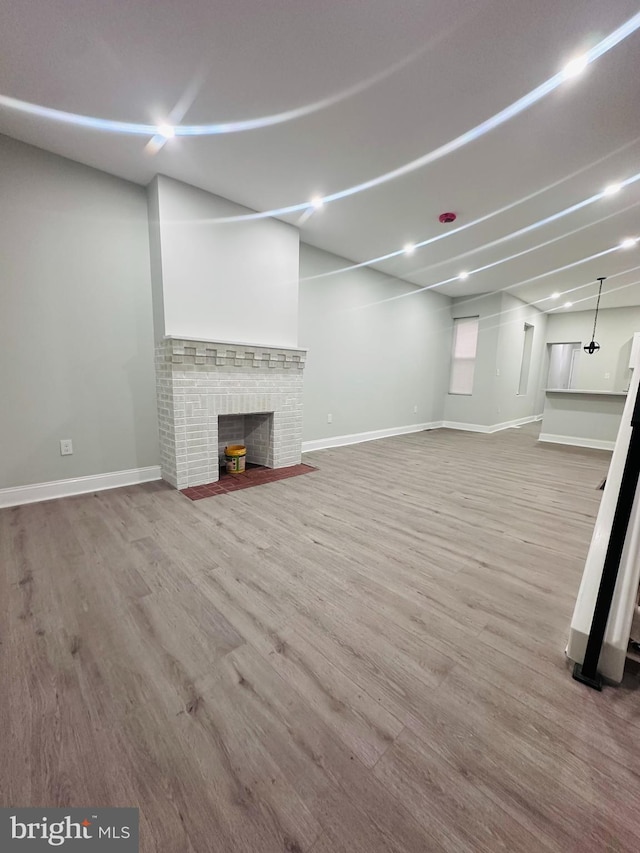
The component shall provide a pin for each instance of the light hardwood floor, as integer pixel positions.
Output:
(362, 659)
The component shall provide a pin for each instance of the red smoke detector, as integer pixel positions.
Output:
(447, 217)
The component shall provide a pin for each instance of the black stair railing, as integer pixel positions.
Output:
(587, 671)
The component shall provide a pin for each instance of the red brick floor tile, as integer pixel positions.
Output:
(256, 475)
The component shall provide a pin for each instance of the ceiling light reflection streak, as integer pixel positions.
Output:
(595, 295)
(151, 130)
(524, 251)
(213, 129)
(183, 104)
(514, 109)
(489, 266)
(502, 314)
(561, 269)
(305, 215)
(571, 290)
(421, 244)
(556, 308)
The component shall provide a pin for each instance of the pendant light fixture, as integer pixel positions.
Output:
(593, 346)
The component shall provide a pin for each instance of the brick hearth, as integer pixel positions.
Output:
(198, 381)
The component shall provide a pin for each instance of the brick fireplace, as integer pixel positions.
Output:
(198, 382)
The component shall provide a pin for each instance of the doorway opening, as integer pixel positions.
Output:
(563, 365)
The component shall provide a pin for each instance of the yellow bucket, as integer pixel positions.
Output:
(235, 456)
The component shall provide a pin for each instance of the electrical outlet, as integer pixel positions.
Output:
(607, 376)
(66, 447)
(329, 419)
(415, 410)
(498, 372)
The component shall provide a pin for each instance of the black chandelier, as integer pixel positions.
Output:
(594, 346)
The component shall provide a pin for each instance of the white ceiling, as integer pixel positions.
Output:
(463, 62)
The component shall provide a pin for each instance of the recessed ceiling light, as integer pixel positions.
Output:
(166, 131)
(317, 202)
(567, 304)
(628, 243)
(576, 66)
(463, 275)
(409, 248)
(555, 295)
(612, 189)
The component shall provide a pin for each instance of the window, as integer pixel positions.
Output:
(463, 356)
(527, 348)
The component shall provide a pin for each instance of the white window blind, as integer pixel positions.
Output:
(463, 357)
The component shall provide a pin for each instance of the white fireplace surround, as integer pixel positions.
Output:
(197, 381)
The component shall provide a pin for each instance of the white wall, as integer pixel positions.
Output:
(229, 281)
(76, 340)
(584, 419)
(614, 334)
(369, 364)
(495, 398)
(155, 258)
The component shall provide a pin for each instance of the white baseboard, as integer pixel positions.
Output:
(77, 486)
(493, 427)
(516, 423)
(465, 427)
(18, 495)
(358, 437)
(593, 443)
